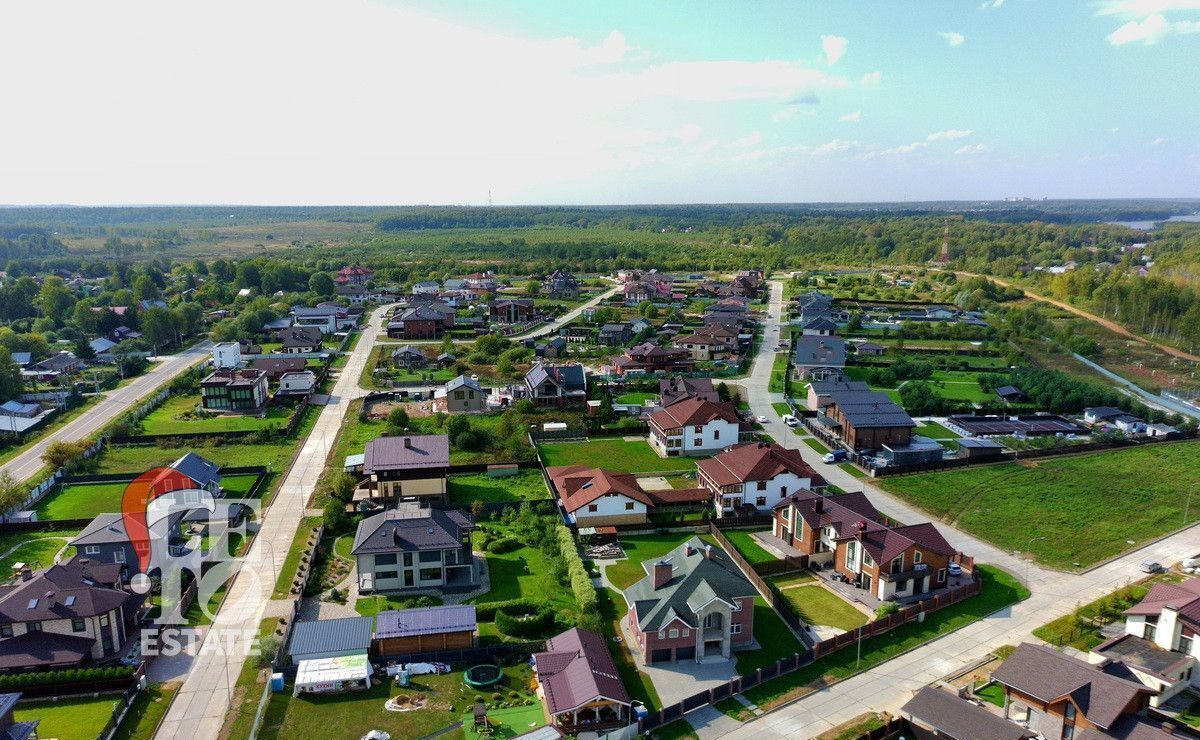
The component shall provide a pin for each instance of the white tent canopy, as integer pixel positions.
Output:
(325, 675)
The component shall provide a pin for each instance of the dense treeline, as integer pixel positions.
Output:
(1157, 308)
(17, 242)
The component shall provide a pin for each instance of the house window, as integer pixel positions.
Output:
(385, 559)
(119, 556)
(673, 634)
(384, 575)
(762, 485)
(430, 556)
(91, 550)
(851, 547)
(716, 434)
(898, 563)
(593, 507)
(941, 575)
(688, 633)
(662, 634)
(698, 429)
(628, 506)
(1149, 631)
(6, 630)
(735, 629)
(78, 625)
(783, 491)
(431, 574)
(33, 626)
(103, 620)
(760, 501)
(408, 560)
(698, 442)
(1185, 644)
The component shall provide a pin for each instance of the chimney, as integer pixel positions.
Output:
(688, 549)
(408, 443)
(26, 573)
(708, 552)
(49, 598)
(662, 573)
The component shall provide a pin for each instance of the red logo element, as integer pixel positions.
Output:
(137, 497)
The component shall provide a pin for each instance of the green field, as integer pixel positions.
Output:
(168, 419)
(1078, 509)
(817, 605)
(86, 500)
(526, 485)
(68, 719)
(933, 430)
(635, 397)
(774, 638)
(35, 549)
(612, 453)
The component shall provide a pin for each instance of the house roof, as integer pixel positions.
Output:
(412, 451)
(865, 409)
(956, 719)
(101, 344)
(423, 312)
(279, 365)
(822, 323)
(22, 358)
(300, 336)
(1144, 655)
(671, 390)
(76, 588)
(568, 377)
(695, 580)
(44, 649)
(817, 351)
(409, 349)
(410, 527)
(1050, 676)
(198, 469)
(577, 668)
(580, 485)
(826, 387)
(1009, 390)
(1183, 597)
(840, 511)
(345, 635)
(105, 529)
(464, 381)
(1104, 412)
(429, 620)
(756, 461)
(694, 412)
(16, 408)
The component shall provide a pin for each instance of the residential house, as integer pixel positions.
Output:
(866, 420)
(412, 547)
(580, 685)
(595, 497)
(552, 348)
(297, 383)
(226, 355)
(818, 358)
(324, 318)
(103, 346)
(300, 339)
(674, 389)
(409, 357)
(512, 310)
(615, 335)
(560, 284)
(821, 326)
(1059, 696)
(648, 357)
(755, 477)
(869, 349)
(247, 347)
(276, 367)
(22, 359)
(694, 426)
(19, 410)
(819, 391)
(938, 713)
(464, 395)
(354, 275)
(426, 287)
(710, 342)
(70, 615)
(406, 467)
(234, 390)
(890, 562)
(421, 322)
(429, 629)
(556, 385)
(10, 728)
(1011, 394)
(693, 603)
(730, 307)
(355, 295)
(744, 286)
(61, 363)
(645, 290)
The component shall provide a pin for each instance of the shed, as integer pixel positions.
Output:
(424, 630)
(978, 447)
(330, 638)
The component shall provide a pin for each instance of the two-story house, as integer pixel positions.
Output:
(421, 321)
(300, 339)
(512, 310)
(407, 467)
(694, 426)
(556, 385)
(648, 357)
(894, 563)
(464, 395)
(595, 497)
(693, 603)
(812, 523)
(817, 357)
(242, 389)
(709, 342)
(560, 284)
(755, 477)
(412, 547)
(678, 388)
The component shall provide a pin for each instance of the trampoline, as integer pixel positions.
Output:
(483, 676)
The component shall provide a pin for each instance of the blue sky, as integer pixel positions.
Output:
(354, 101)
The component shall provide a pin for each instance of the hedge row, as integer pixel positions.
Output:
(532, 625)
(74, 675)
(486, 612)
(581, 582)
(503, 545)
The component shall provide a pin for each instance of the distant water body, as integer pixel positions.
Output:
(1150, 225)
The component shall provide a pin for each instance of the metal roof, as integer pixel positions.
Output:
(425, 621)
(346, 635)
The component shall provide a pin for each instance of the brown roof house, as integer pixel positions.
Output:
(936, 712)
(594, 497)
(755, 476)
(579, 683)
(678, 388)
(648, 357)
(406, 467)
(695, 426)
(412, 547)
(693, 603)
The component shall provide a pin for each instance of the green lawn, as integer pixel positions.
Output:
(168, 419)
(526, 485)
(992, 693)
(1079, 509)
(612, 608)
(291, 563)
(677, 730)
(782, 409)
(817, 605)
(506, 723)
(773, 636)
(1081, 628)
(999, 590)
(524, 573)
(635, 397)
(852, 470)
(35, 549)
(778, 373)
(933, 430)
(369, 606)
(816, 445)
(68, 719)
(639, 548)
(743, 540)
(86, 500)
(614, 454)
(145, 714)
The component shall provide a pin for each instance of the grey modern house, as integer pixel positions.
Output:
(413, 548)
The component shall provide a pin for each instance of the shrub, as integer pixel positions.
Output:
(581, 582)
(525, 625)
(503, 545)
(486, 612)
(886, 608)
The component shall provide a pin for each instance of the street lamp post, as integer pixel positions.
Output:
(1029, 556)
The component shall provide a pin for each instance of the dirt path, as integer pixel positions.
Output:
(1110, 325)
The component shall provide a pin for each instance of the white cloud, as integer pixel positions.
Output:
(834, 47)
(833, 147)
(991, 4)
(905, 148)
(949, 134)
(971, 149)
(871, 79)
(1114, 129)
(1144, 8)
(751, 139)
(854, 117)
(1158, 142)
(954, 38)
(1147, 20)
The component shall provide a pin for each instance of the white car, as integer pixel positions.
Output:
(791, 421)
(761, 419)
(954, 569)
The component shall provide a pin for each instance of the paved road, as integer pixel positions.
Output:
(27, 464)
(887, 686)
(200, 707)
(563, 320)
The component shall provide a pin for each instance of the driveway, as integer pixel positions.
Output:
(677, 681)
(166, 668)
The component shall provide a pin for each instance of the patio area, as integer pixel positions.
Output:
(857, 595)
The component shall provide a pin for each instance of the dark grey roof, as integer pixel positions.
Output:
(315, 311)
(569, 377)
(17, 730)
(44, 649)
(979, 443)
(1104, 412)
(411, 451)
(825, 387)
(346, 635)
(1008, 390)
(865, 409)
(76, 588)
(410, 527)
(960, 720)
(105, 529)
(426, 621)
(198, 469)
(409, 349)
(822, 323)
(464, 381)
(695, 580)
(815, 351)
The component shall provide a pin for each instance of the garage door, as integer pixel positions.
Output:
(660, 655)
(687, 653)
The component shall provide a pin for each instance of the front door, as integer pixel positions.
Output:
(866, 581)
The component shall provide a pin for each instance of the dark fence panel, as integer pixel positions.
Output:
(468, 655)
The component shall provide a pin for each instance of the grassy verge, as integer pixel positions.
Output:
(1081, 628)
(147, 711)
(778, 373)
(816, 445)
(291, 563)
(247, 689)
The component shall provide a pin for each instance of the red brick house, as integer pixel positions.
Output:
(693, 603)
(354, 275)
(648, 357)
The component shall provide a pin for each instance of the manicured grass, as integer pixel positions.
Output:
(292, 562)
(816, 445)
(145, 714)
(1065, 510)
(640, 548)
(999, 590)
(524, 573)
(35, 549)
(677, 730)
(635, 397)
(747, 545)
(856, 728)
(1081, 628)
(168, 419)
(612, 607)
(782, 408)
(86, 500)
(247, 689)
(369, 606)
(792, 579)
(992, 693)
(526, 485)
(778, 373)
(774, 638)
(506, 723)
(817, 605)
(68, 719)
(852, 470)
(614, 454)
(933, 430)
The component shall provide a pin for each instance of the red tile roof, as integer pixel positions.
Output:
(756, 461)
(579, 485)
(577, 668)
(694, 412)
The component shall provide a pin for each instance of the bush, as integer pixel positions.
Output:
(486, 612)
(886, 608)
(524, 624)
(503, 545)
(581, 582)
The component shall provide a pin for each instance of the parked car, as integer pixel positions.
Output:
(790, 420)
(834, 457)
(954, 569)
(1151, 566)
(761, 419)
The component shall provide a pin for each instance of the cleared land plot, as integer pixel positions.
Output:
(817, 605)
(526, 485)
(1079, 509)
(86, 500)
(168, 419)
(614, 454)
